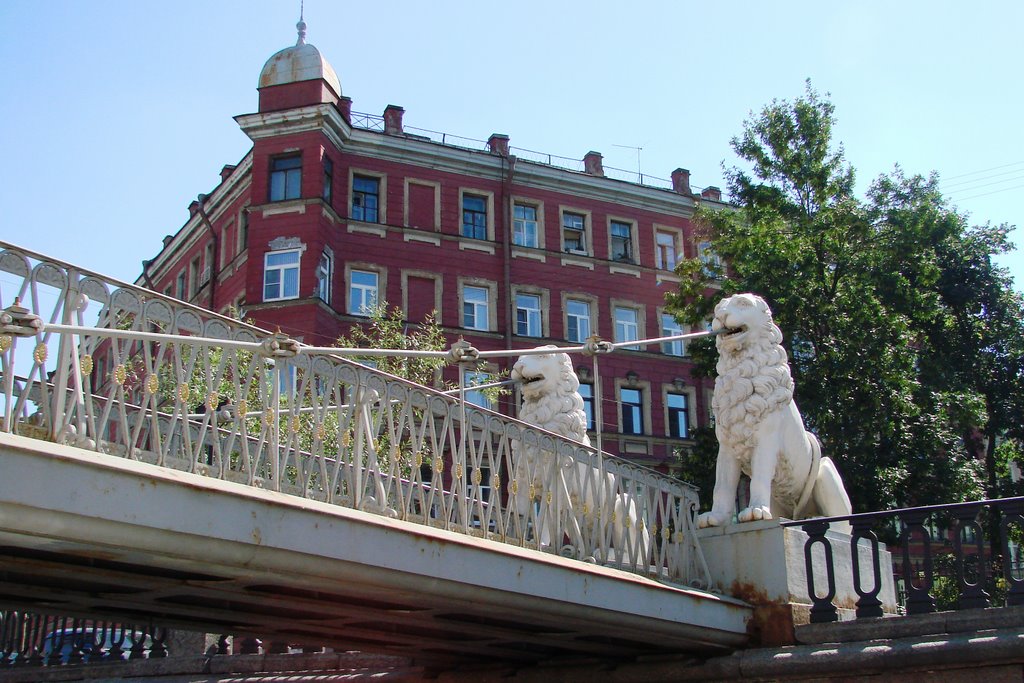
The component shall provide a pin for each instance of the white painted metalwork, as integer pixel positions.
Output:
(122, 370)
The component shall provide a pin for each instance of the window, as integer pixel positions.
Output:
(528, 315)
(622, 241)
(365, 198)
(324, 272)
(362, 293)
(182, 283)
(712, 263)
(475, 311)
(281, 275)
(627, 325)
(477, 398)
(328, 180)
(678, 416)
(524, 226)
(666, 250)
(193, 277)
(671, 328)
(285, 178)
(631, 401)
(587, 394)
(574, 237)
(577, 320)
(474, 217)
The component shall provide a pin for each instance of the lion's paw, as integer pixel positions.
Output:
(706, 519)
(752, 514)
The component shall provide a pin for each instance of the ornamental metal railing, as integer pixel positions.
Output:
(106, 366)
(953, 556)
(30, 639)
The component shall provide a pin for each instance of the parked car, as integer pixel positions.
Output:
(93, 643)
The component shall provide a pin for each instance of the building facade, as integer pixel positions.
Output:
(332, 211)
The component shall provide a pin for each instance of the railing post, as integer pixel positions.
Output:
(1011, 513)
(919, 600)
(823, 610)
(972, 595)
(868, 605)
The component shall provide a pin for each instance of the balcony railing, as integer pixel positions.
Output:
(30, 639)
(110, 367)
(968, 574)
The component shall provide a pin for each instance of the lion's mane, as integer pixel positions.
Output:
(560, 412)
(751, 383)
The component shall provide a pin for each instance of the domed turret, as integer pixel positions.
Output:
(301, 63)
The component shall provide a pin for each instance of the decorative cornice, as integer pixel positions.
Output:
(318, 117)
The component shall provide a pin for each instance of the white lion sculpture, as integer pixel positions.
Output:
(551, 401)
(760, 431)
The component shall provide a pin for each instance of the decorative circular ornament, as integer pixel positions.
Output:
(458, 471)
(40, 353)
(439, 465)
(120, 374)
(5, 342)
(183, 392)
(296, 424)
(477, 477)
(152, 384)
(212, 400)
(243, 408)
(86, 364)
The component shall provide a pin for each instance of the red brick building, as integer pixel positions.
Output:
(331, 211)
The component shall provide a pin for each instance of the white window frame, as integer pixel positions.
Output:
(325, 275)
(672, 329)
(528, 314)
(369, 296)
(620, 328)
(589, 318)
(283, 269)
(538, 222)
(481, 310)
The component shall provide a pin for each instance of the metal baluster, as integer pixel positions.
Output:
(868, 605)
(1011, 513)
(972, 595)
(823, 610)
(919, 599)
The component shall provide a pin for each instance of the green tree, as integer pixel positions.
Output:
(862, 291)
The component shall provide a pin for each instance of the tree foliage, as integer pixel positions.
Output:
(904, 338)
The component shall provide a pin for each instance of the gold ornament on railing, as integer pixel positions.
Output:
(212, 400)
(666, 534)
(40, 353)
(419, 459)
(513, 487)
(496, 482)
(296, 424)
(321, 432)
(268, 417)
(86, 364)
(679, 537)
(477, 477)
(120, 374)
(243, 408)
(152, 384)
(458, 471)
(346, 439)
(183, 392)
(5, 342)
(439, 465)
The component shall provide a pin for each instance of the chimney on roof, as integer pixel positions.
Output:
(593, 163)
(226, 171)
(345, 107)
(681, 181)
(193, 208)
(167, 240)
(498, 144)
(713, 193)
(393, 119)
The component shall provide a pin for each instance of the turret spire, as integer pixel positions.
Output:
(301, 26)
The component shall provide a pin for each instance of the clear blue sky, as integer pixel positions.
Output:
(115, 115)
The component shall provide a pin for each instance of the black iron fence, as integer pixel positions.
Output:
(31, 639)
(956, 556)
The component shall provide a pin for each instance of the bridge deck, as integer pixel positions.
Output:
(87, 533)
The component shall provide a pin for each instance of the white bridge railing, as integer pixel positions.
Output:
(110, 367)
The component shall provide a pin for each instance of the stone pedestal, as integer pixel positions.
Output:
(763, 564)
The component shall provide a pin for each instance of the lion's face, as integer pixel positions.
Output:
(744, 316)
(541, 375)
